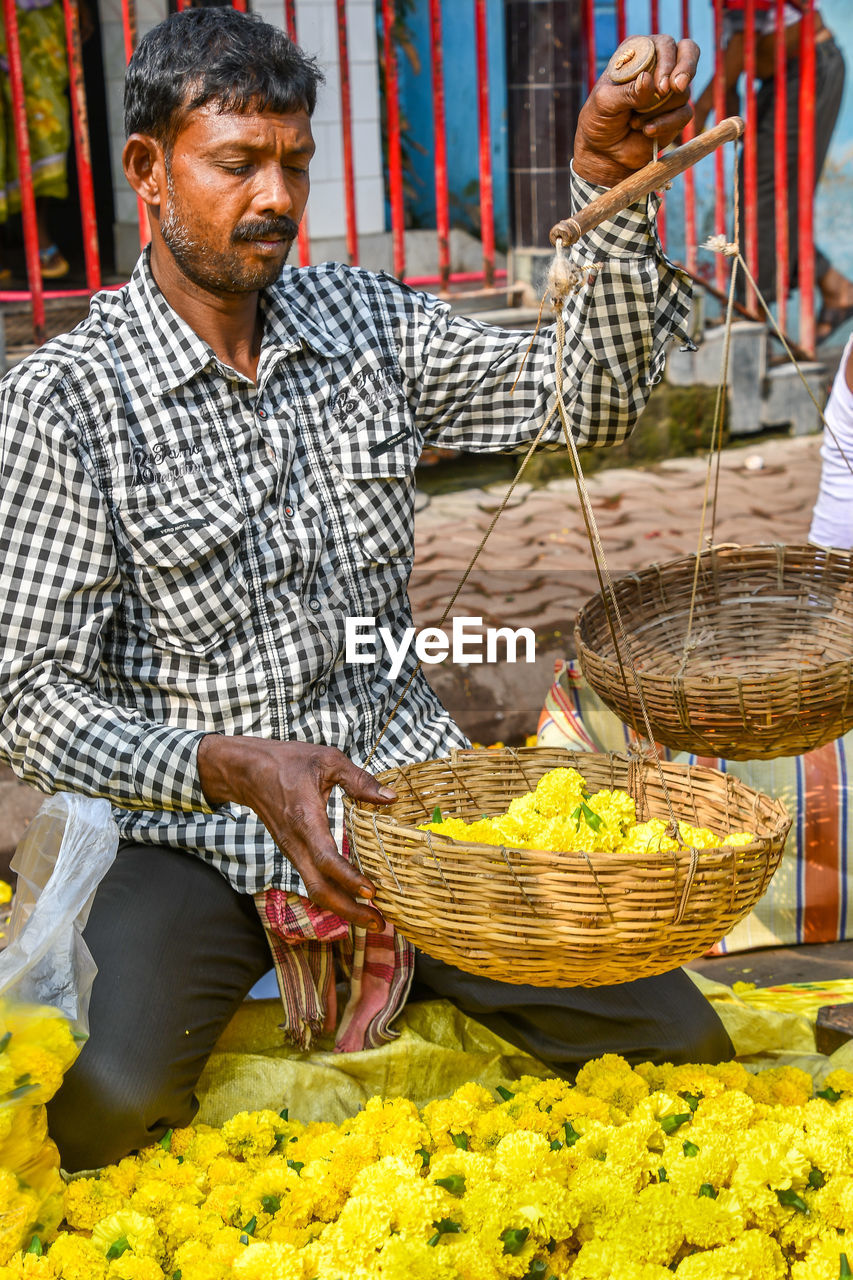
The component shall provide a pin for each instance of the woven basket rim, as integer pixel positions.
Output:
(591, 612)
(387, 823)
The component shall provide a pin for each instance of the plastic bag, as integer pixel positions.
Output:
(46, 976)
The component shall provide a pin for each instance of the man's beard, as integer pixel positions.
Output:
(216, 270)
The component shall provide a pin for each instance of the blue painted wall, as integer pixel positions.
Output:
(462, 115)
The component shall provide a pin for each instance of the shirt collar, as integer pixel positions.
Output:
(175, 353)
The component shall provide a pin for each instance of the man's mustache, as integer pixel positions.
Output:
(267, 229)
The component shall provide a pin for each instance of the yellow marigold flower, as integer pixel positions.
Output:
(829, 1134)
(737, 839)
(752, 1255)
(254, 1133)
(39, 1025)
(781, 1087)
(77, 1258)
(613, 1079)
(130, 1267)
(25, 1137)
(823, 1260)
(208, 1259)
(450, 828)
(88, 1201)
(132, 1230)
(840, 1081)
(28, 1266)
(5, 892)
(834, 1203)
(122, 1178)
(36, 1068)
(558, 792)
(270, 1262)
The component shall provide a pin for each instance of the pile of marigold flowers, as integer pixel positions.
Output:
(37, 1047)
(562, 815)
(705, 1172)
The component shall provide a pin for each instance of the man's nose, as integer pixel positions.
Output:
(274, 194)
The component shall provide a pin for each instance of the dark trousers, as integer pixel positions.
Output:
(829, 85)
(177, 950)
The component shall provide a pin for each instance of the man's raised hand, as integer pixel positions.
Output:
(619, 124)
(288, 784)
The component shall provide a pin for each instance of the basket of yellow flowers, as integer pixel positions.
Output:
(540, 865)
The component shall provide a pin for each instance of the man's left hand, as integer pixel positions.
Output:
(613, 140)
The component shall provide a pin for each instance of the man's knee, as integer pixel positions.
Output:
(108, 1107)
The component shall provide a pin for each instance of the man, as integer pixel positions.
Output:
(200, 484)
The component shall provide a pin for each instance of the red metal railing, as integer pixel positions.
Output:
(680, 218)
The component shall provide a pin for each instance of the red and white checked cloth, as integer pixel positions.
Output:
(310, 947)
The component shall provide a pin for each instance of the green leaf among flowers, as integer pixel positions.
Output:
(166, 1140)
(35, 1247)
(571, 1133)
(296, 1165)
(829, 1094)
(669, 1124)
(117, 1248)
(444, 1227)
(460, 1140)
(514, 1239)
(270, 1204)
(454, 1183)
(792, 1200)
(817, 1179)
(506, 1094)
(425, 1157)
(690, 1149)
(708, 1190)
(436, 814)
(844, 1267)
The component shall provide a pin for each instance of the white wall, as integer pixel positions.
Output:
(317, 31)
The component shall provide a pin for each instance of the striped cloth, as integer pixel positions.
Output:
(810, 898)
(311, 948)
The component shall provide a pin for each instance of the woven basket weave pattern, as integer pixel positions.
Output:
(562, 919)
(769, 668)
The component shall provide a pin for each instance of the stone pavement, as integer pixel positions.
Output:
(536, 569)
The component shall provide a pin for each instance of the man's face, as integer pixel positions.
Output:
(237, 187)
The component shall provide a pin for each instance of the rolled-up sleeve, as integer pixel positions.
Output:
(59, 590)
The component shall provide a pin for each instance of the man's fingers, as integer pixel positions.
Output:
(330, 881)
(687, 62)
(666, 56)
(359, 784)
(664, 128)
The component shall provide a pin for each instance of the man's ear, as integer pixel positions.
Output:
(145, 168)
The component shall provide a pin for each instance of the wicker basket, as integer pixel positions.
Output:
(562, 919)
(770, 668)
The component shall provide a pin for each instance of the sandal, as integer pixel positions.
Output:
(835, 317)
(52, 263)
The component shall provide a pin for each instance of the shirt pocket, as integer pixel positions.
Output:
(376, 455)
(188, 589)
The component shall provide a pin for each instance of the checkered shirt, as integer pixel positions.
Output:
(181, 547)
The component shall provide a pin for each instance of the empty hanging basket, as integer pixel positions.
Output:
(767, 668)
(556, 918)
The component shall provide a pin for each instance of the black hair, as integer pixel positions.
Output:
(218, 55)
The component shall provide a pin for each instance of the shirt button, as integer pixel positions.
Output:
(314, 604)
(262, 413)
(288, 510)
(321, 688)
